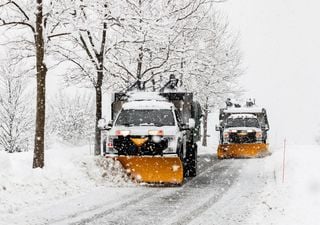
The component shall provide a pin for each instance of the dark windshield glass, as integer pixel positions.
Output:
(133, 117)
(242, 122)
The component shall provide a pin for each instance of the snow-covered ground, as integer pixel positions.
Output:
(296, 199)
(264, 195)
(69, 171)
(75, 186)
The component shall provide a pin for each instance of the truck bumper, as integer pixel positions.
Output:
(251, 150)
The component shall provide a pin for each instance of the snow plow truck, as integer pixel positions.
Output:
(243, 131)
(154, 134)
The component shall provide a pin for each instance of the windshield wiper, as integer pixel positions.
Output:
(153, 124)
(147, 124)
(127, 124)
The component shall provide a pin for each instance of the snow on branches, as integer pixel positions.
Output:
(71, 117)
(16, 117)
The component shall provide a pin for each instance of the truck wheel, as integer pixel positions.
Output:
(191, 160)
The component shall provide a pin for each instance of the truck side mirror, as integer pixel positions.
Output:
(102, 125)
(110, 123)
(265, 127)
(192, 123)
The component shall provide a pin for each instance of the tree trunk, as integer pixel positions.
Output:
(205, 124)
(97, 145)
(140, 56)
(98, 87)
(38, 158)
(139, 67)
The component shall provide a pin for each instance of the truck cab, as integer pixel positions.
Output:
(243, 131)
(147, 124)
(242, 128)
(237, 116)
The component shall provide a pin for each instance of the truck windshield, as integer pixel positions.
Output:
(242, 122)
(143, 117)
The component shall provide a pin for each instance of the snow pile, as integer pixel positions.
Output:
(68, 172)
(113, 171)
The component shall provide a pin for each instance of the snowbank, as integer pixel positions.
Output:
(68, 171)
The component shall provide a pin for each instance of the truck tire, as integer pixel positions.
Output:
(191, 160)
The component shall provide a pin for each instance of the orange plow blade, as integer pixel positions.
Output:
(153, 169)
(242, 150)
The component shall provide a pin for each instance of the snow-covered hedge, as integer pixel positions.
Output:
(72, 118)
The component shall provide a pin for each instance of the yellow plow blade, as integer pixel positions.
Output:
(153, 169)
(242, 150)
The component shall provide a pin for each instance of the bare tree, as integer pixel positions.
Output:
(16, 121)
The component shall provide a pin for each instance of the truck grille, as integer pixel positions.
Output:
(125, 146)
(242, 137)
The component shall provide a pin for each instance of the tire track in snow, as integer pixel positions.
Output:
(98, 211)
(214, 195)
(176, 205)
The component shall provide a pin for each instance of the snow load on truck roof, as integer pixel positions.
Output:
(143, 96)
(243, 110)
(234, 116)
(146, 100)
(149, 104)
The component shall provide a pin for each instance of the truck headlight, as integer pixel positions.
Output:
(122, 133)
(259, 135)
(156, 139)
(156, 132)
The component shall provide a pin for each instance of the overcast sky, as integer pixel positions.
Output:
(280, 40)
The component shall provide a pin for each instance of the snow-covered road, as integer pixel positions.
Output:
(241, 192)
(175, 205)
(149, 204)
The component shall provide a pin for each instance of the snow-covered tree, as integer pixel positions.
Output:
(107, 37)
(16, 119)
(151, 38)
(92, 24)
(73, 117)
(215, 64)
(35, 24)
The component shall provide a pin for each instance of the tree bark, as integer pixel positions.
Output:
(205, 124)
(139, 67)
(98, 87)
(98, 112)
(41, 71)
